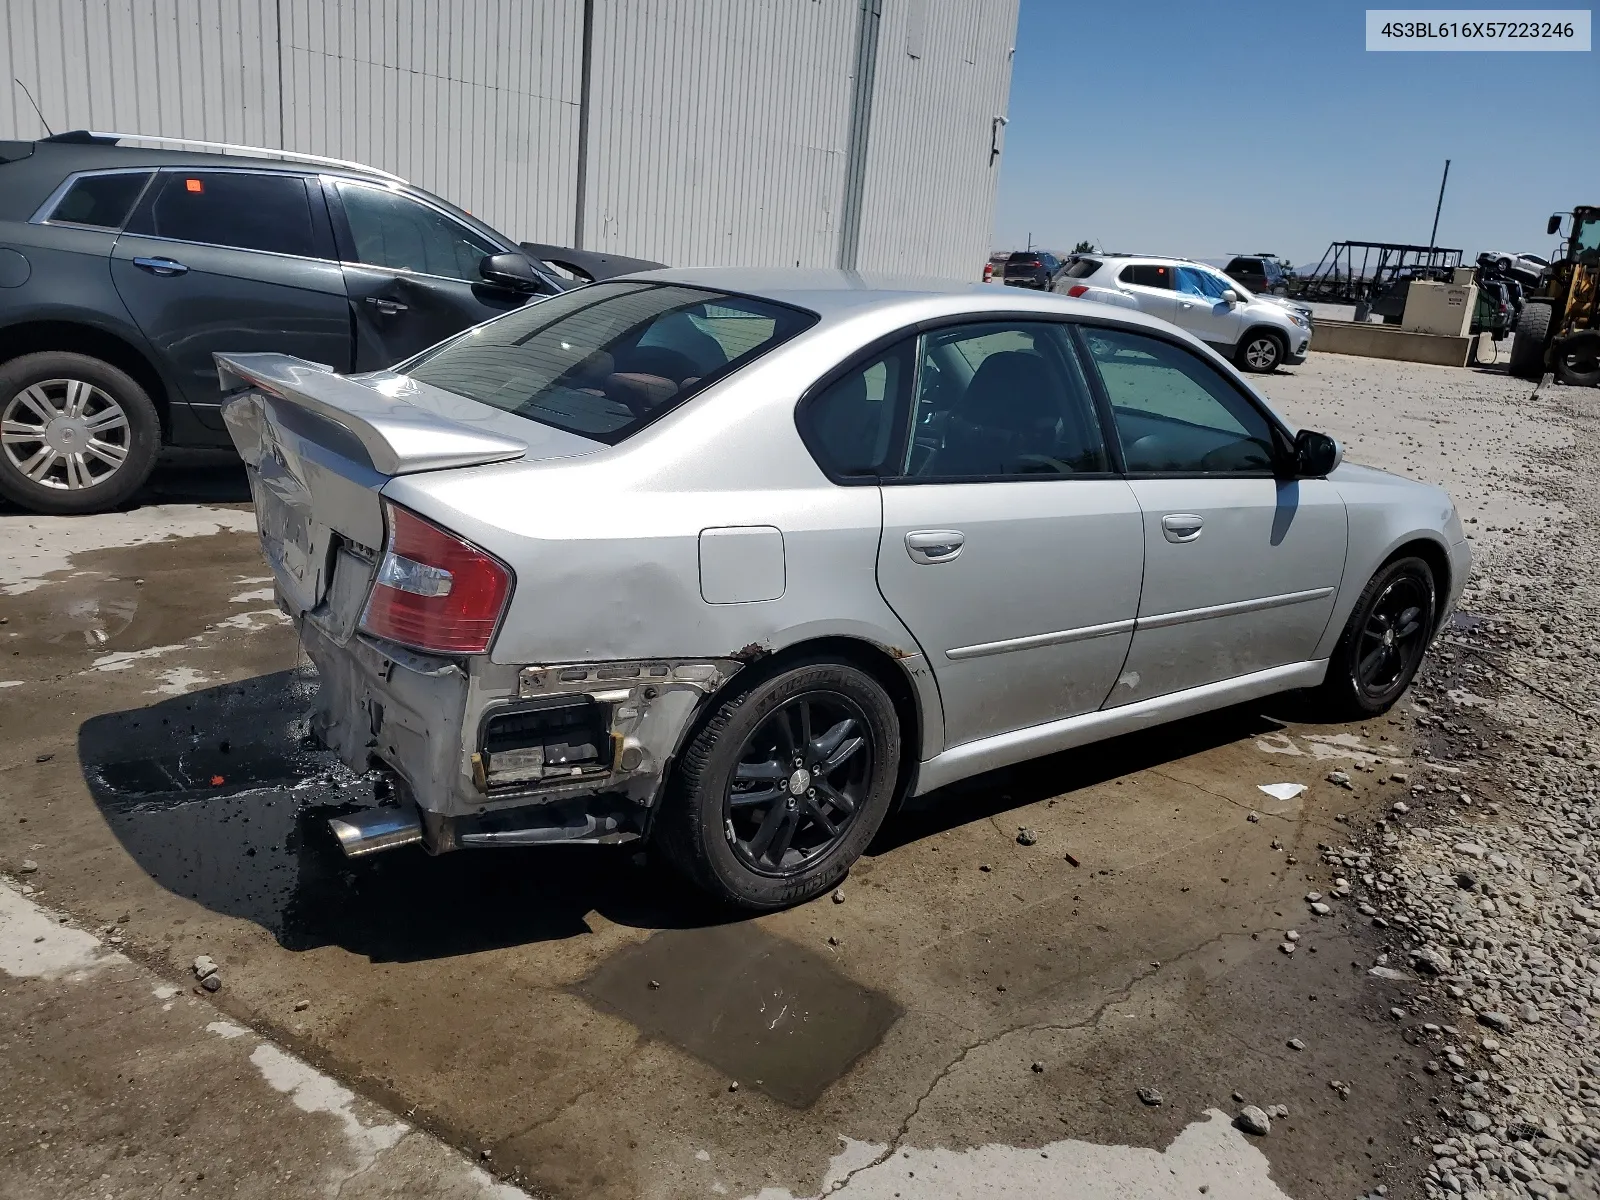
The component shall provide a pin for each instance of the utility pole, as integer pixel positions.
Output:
(1030, 239)
(1433, 238)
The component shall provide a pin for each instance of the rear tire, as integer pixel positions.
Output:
(1260, 351)
(1528, 345)
(77, 435)
(1582, 368)
(1383, 643)
(748, 823)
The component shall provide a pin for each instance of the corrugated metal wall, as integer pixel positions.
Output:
(182, 68)
(475, 100)
(944, 74)
(718, 129)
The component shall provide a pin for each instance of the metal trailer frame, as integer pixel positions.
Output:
(1339, 278)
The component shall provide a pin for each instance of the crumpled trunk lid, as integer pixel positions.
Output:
(319, 448)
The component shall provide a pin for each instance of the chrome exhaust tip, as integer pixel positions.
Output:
(376, 829)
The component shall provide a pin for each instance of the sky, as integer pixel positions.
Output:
(1206, 128)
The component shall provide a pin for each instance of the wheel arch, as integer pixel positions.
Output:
(79, 337)
(888, 668)
(1437, 556)
(1264, 327)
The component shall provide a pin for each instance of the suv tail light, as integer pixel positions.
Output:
(1077, 289)
(433, 591)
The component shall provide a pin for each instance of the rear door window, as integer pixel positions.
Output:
(997, 399)
(246, 210)
(604, 361)
(103, 201)
(1151, 275)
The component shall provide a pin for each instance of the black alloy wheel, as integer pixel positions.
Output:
(800, 782)
(783, 784)
(1383, 642)
(1394, 636)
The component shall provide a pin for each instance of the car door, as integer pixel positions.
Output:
(231, 260)
(1010, 549)
(1203, 312)
(410, 271)
(1241, 567)
(1151, 286)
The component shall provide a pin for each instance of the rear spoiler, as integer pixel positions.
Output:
(397, 420)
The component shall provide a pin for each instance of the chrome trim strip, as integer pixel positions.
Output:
(1019, 745)
(1261, 603)
(1032, 641)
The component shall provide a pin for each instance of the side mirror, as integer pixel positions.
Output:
(1553, 227)
(1315, 454)
(1229, 296)
(509, 271)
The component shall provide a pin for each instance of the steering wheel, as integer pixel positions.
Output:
(1043, 460)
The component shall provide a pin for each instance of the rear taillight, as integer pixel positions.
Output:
(1077, 289)
(1035, 264)
(434, 591)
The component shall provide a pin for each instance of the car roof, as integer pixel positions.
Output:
(1163, 259)
(838, 295)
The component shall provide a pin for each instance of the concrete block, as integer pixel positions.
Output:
(1386, 341)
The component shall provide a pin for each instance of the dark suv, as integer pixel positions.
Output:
(122, 268)
(1032, 269)
(1260, 273)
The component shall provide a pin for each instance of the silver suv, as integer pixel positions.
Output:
(1257, 333)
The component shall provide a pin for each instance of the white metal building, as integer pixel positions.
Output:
(857, 133)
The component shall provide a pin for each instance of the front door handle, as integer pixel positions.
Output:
(387, 307)
(932, 546)
(1181, 527)
(161, 266)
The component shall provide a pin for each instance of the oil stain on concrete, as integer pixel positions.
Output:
(768, 1013)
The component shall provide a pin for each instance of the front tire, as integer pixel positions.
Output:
(77, 435)
(1383, 642)
(784, 786)
(1528, 344)
(1260, 352)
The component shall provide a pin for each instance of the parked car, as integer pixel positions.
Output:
(710, 558)
(1256, 333)
(995, 266)
(128, 265)
(1527, 269)
(1032, 269)
(1260, 273)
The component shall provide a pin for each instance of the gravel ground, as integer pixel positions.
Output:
(1482, 877)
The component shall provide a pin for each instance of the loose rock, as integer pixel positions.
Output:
(1252, 1120)
(1149, 1096)
(1026, 836)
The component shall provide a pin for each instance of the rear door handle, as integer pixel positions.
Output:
(1181, 527)
(932, 546)
(161, 266)
(387, 307)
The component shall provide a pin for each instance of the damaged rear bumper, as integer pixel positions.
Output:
(491, 755)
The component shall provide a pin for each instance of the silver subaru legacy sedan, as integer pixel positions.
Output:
(739, 560)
